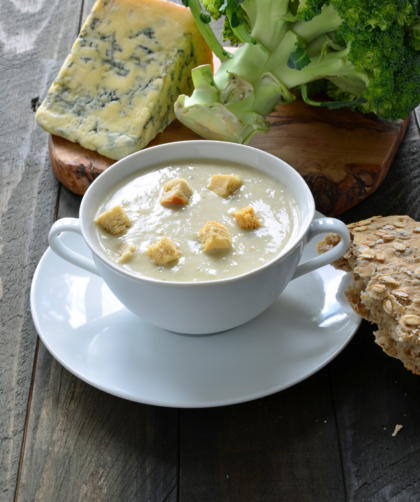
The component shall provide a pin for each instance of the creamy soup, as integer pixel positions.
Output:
(139, 195)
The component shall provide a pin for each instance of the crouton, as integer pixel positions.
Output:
(163, 251)
(126, 253)
(246, 218)
(214, 236)
(115, 221)
(224, 184)
(176, 191)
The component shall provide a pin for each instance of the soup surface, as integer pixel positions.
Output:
(139, 195)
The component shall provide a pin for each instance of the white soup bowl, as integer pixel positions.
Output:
(210, 306)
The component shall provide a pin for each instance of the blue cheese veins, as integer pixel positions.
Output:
(117, 88)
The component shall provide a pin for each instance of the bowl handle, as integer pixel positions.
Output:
(69, 225)
(320, 226)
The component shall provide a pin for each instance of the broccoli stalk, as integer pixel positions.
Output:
(203, 21)
(367, 50)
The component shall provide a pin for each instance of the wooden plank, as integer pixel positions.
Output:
(42, 28)
(87, 7)
(28, 195)
(283, 447)
(84, 445)
(373, 392)
(32, 34)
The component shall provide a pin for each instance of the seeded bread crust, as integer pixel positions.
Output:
(384, 257)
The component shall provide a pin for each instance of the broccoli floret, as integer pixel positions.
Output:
(407, 85)
(365, 54)
(228, 35)
(308, 9)
(214, 8)
(364, 15)
(414, 36)
(217, 8)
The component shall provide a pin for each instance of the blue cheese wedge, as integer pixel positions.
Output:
(117, 88)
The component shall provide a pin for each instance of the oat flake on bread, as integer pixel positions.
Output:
(384, 257)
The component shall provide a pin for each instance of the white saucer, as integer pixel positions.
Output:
(92, 335)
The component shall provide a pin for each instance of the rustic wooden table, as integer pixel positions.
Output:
(325, 439)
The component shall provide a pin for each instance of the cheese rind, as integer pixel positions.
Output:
(117, 88)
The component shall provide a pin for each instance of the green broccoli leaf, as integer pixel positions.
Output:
(299, 58)
(236, 20)
(314, 87)
(331, 105)
(205, 18)
(334, 105)
(414, 36)
(308, 9)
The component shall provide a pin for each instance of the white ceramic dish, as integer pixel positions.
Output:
(95, 337)
(210, 306)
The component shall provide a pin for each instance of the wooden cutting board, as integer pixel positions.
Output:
(343, 155)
